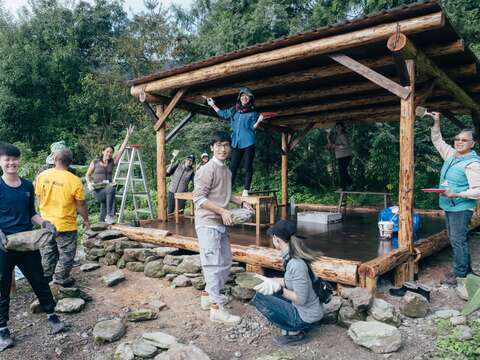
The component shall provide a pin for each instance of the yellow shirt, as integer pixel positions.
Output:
(56, 191)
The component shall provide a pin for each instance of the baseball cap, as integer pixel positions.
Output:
(284, 229)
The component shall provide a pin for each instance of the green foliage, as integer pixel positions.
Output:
(450, 346)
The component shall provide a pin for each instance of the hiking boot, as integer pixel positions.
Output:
(220, 315)
(6, 340)
(290, 340)
(450, 279)
(56, 325)
(65, 283)
(205, 301)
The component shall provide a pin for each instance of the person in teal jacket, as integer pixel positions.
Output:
(460, 178)
(243, 119)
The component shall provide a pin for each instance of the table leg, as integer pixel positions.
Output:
(257, 215)
(177, 206)
(340, 203)
(385, 200)
(193, 209)
(272, 213)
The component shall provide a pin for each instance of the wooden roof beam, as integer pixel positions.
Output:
(400, 44)
(293, 53)
(166, 113)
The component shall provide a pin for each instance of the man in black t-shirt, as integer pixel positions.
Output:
(17, 213)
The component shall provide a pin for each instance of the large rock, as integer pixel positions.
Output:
(35, 307)
(376, 336)
(164, 251)
(463, 332)
(124, 351)
(121, 245)
(141, 315)
(360, 298)
(183, 352)
(236, 270)
(135, 266)
(169, 269)
(89, 267)
(154, 269)
(109, 234)
(70, 305)
(121, 263)
(181, 281)
(108, 331)
(173, 260)
(241, 293)
(247, 280)
(198, 283)
(92, 243)
(98, 227)
(111, 258)
(159, 339)
(331, 310)
(114, 278)
(144, 350)
(132, 254)
(347, 315)
(91, 233)
(446, 314)
(98, 252)
(414, 305)
(384, 312)
(110, 245)
(190, 264)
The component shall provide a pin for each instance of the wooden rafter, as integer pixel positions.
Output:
(375, 77)
(295, 141)
(169, 109)
(427, 66)
(177, 128)
(423, 96)
(453, 119)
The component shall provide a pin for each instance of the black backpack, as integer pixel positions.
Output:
(322, 288)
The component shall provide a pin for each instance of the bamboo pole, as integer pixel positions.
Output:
(331, 269)
(405, 271)
(293, 53)
(401, 44)
(161, 169)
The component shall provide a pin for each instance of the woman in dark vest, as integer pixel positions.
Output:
(244, 119)
(100, 176)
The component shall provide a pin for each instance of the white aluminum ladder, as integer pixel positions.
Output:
(132, 157)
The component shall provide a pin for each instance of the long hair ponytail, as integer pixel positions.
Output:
(297, 249)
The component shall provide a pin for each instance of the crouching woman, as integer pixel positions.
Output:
(290, 303)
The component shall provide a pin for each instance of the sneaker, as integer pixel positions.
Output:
(290, 340)
(220, 315)
(244, 193)
(56, 325)
(450, 279)
(6, 340)
(110, 219)
(205, 301)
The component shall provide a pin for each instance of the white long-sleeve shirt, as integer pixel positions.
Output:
(472, 170)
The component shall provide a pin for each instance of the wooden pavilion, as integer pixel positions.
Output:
(377, 68)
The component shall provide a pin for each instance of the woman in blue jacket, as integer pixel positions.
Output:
(244, 119)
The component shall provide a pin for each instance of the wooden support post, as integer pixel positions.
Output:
(371, 284)
(161, 169)
(404, 272)
(254, 268)
(284, 174)
(166, 113)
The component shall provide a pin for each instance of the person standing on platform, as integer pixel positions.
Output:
(460, 178)
(211, 195)
(243, 119)
(17, 213)
(290, 303)
(343, 154)
(60, 195)
(203, 160)
(181, 177)
(99, 178)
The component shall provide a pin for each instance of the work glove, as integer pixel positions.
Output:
(50, 227)
(267, 287)
(90, 186)
(210, 101)
(3, 241)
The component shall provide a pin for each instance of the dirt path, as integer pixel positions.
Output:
(184, 319)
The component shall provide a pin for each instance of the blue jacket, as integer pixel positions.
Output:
(453, 178)
(243, 133)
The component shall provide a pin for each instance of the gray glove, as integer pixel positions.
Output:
(210, 101)
(50, 227)
(3, 241)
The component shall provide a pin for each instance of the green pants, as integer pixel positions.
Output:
(58, 256)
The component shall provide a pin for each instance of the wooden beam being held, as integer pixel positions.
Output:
(292, 53)
(177, 128)
(166, 113)
(161, 169)
(373, 76)
(295, 141)
(425, 65)
(406, 178)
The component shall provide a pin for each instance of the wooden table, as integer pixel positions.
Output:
(269, 202)
(187, 196)
(342, 203)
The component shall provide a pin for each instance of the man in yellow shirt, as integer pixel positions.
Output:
(60, 195)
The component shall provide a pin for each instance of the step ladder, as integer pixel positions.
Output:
(134, 178)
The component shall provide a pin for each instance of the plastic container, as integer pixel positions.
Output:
(319, 217)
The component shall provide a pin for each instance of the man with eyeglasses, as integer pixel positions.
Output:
(212, 193)
(460, 177)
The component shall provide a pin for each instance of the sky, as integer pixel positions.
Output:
(129, 5)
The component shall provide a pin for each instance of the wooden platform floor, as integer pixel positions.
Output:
(353, 239)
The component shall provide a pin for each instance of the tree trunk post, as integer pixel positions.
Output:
(405, 271)
(284, 174)
(161, 170)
